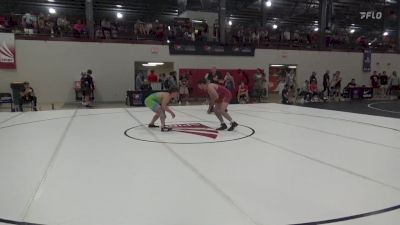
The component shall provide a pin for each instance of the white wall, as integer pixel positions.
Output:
(51, 67)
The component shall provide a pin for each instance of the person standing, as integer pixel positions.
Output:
(384, 80)
(184, 90)
(153, 78)
(259, 84)
(87, 87)
(394, 82)
(337, 84)
(220, 97)
(326, 83)
(313, 78)
(229, 82)
(375, 83)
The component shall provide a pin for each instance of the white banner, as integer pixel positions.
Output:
(7, 51)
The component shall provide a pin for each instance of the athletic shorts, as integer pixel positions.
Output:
(224, 98)
(152, 104)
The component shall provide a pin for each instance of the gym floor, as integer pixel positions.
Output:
(283, 165)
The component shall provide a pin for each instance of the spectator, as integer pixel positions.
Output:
(28, 23)
(352, 84)
(384, 80)
(146, 89)
(375, 82)
(184, 90)
(394, 82)
(162, 81)
(229, 82)
(326, 83)
(146, 86)
(87, 88)
(259, 84)
(305, 91)
(106, 28)
(41, 23)
(27, 96)
(285, 95)
(243, 92)
(313, 78)
(243, 77)
(139, 81)
(79, 29)
(214, 75)
(63, 25)
(314, 91)
(152, 78)
(337, 84)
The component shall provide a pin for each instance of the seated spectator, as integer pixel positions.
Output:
(106, 28)
(79, 29)
(41, 23)
(352, 84)
(139, 81)
(152, 78)
(27, 96)
(313, 88)
(63, 25)
(305, 91)
(243, 92)
(313, 78)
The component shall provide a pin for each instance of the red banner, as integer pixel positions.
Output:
(195, 75)
(7, 51)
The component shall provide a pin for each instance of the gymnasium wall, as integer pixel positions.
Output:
(52, 66)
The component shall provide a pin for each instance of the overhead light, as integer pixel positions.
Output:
(148, 65)
(316, 29)
(385, 33)
(352, 31)
(268, 3)
(120, 15)
(156, 63)
(292, 67)
(119, 6)
(168, 41)
(230, 22)
(52, 11)
(197, 21)
(276, 65)
(50, 0)
(275, 26)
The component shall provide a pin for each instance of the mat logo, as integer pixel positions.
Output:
(196, 129)
(6, 56)
(371, 14)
